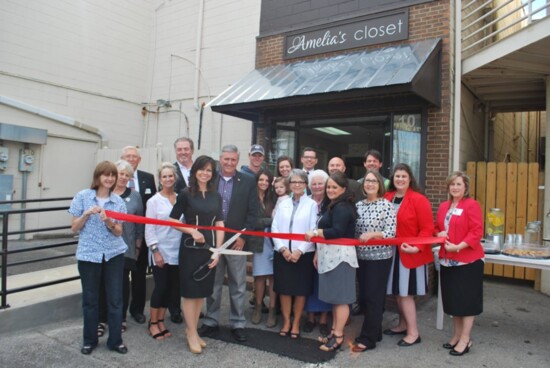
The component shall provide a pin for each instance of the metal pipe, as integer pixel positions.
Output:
(198, 55)
(4, 262)
(457, 87)
(67, 120)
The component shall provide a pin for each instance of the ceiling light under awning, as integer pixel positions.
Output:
(332, 131)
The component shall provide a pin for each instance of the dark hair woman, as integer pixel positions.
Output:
(100, 250)
(262, 265)
(408, 276)
(335, 263)
(284, 166)
(201, 205)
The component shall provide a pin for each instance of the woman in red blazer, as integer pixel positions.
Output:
(408, 275)
(461, 257)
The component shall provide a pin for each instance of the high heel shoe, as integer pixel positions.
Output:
(325, 338)
(332, 344)
(164, 332)
(157, 336)
(202, 343)
(453, 352)
(449, 346)
(194, 347)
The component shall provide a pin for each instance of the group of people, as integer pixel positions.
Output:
(319, 272)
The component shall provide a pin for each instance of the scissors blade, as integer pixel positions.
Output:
(234, 252)
(227, 243)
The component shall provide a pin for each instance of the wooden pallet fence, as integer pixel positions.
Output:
(512, 187)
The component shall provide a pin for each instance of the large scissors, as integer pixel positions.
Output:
(203, 271)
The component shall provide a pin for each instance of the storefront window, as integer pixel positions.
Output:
(407, 134)
(284, 145)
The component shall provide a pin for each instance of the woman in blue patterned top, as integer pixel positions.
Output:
(100, 249)
(376, 220)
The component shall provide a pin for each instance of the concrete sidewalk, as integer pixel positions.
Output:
(512, 332)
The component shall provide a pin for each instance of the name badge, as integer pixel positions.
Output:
(457, 211)
(147, 190)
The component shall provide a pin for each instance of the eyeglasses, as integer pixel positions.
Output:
(309, 157)
(298, 182)
(371, 181)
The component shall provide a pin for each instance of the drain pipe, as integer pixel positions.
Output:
(457, 87)
(198, 49)
(104, 142)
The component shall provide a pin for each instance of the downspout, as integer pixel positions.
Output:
(198, 49)
(457, 86)
(104, 142)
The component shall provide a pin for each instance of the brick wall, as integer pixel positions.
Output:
(429, 20)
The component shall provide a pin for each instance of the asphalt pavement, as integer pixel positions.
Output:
(513, 331)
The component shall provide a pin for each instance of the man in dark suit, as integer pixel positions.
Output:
(240, 209)
(184, 160)
(144, 183)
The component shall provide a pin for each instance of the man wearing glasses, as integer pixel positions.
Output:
(309, 159)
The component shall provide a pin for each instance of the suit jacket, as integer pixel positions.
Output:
(244, 205)
(414, 219)
(465, 226)
(180, 183)
(147, 187)
(357, 189)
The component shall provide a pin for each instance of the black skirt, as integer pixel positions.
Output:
(462, 289)
(190, 260)
(293, 278)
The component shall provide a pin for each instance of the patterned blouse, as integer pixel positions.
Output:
(376, 216)
(95, 240)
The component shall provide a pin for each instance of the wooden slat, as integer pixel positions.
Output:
(490, 193)
(521, 209)
(481, 185)
(532, 208)
(511, 203)
(471, 172)
(501, 186)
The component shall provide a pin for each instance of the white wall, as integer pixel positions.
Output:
(227, 53)
(101, 61)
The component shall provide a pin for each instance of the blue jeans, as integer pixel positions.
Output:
(90, 277)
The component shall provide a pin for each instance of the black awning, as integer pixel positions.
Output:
(412, 68)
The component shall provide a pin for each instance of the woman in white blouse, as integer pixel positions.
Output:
(293, 261)
(164, 245)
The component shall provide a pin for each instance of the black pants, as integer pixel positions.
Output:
(373, 280)
(166, 285)
(138, 282)
(103, 296)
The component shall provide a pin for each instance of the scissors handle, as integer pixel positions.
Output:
(203, 271)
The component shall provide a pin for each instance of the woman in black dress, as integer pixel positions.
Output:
(201, 205)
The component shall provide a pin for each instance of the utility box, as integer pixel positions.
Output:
(6, 190)
(26, 160)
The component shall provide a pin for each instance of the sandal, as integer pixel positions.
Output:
(101, 329)
(294, 335)
(284, 333)
(332, 344)
(325, 338)
(157, 336)
(164, 332)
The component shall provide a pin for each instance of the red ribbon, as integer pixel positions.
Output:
(287, 236)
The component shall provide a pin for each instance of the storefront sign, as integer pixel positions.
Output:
(369, 31)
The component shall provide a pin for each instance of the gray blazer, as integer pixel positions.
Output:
(132, 231)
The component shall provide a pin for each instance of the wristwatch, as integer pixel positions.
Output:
(154, 248)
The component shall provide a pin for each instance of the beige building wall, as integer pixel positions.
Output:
(104, 64)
